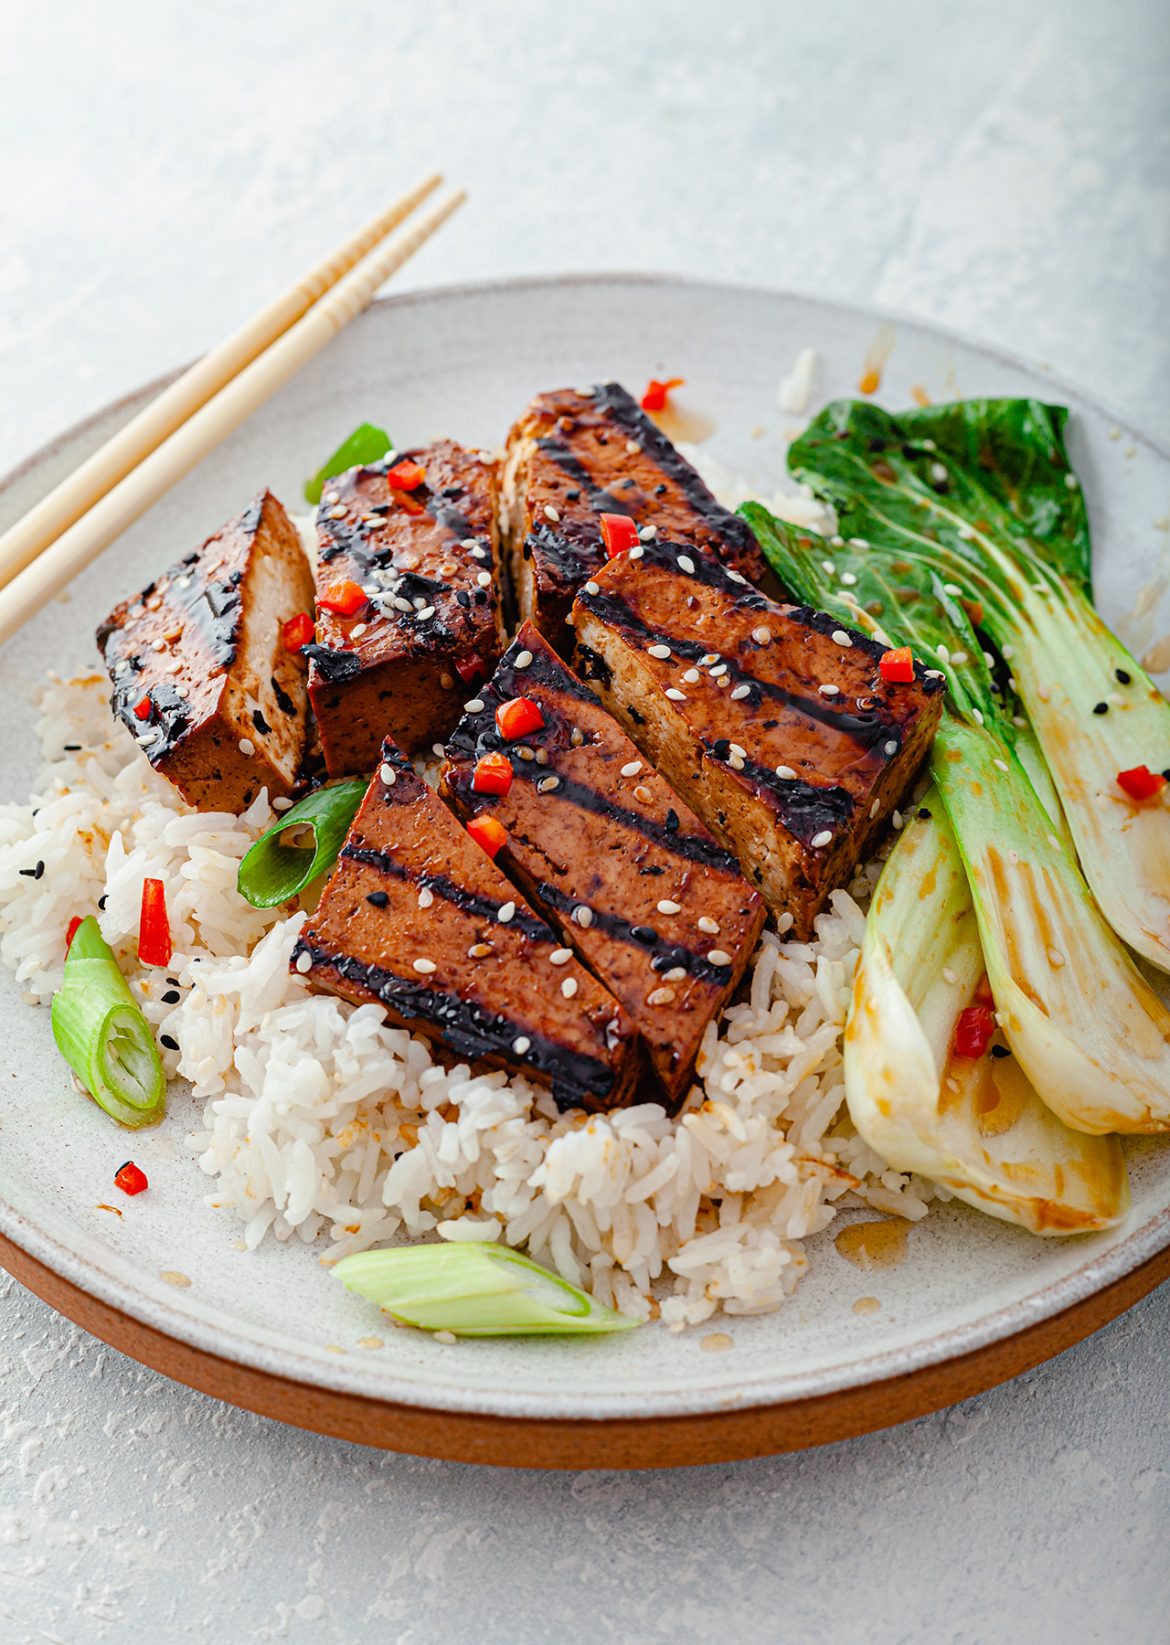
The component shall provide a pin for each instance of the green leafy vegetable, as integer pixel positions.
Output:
(1091, 1035)
(277, 868)
(365, 445)
(976, 1125)
(475, 1289)
(981, 495)
(102, 1034)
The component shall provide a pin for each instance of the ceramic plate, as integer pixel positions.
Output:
(463, 362)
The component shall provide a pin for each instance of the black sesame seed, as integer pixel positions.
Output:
(378, 899)
(462, 597)
(71, 748)
(672, 821)
(169, 1041)
(171, 997)
(1122, 676)
(102, 900)
(33, 873)
(1100, 708)
(644, 934)
(660, 491)
(652, 870)
(572, 496)
(1000, 1051)
(924, 813)
(260, 723)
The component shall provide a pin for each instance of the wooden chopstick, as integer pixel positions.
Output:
(211, 423)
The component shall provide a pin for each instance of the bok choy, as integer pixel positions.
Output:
(1088, 1030)
(982, 494)
(973, 1124)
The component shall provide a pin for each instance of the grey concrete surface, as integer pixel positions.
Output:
(1003, 169)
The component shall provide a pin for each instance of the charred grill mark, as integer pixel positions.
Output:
(445, 515)
(470, 1029)
(667, 952)
(333, 666)
(467, 902)
(803, 808)
(570, 561)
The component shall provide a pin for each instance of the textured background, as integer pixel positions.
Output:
(1006, 171)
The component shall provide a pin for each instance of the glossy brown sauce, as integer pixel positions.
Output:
(872, 1245)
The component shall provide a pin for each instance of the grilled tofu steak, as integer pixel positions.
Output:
(417, 918)
(771, 720)
(408, 613)
(201, 673)
(576, 454)
(604, 849)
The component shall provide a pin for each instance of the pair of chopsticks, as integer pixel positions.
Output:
(59, 537)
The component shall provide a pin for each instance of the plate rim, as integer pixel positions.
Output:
(1094, 1278)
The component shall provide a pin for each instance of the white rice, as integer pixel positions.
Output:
(320, 1122)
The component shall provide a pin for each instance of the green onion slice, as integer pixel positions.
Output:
(475, 1289)
(102, 1034)
(365, 445)
(274, 869)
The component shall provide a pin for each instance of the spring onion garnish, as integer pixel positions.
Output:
(475, 1289)
(365, 445)
(280, 864)
(102, 1034)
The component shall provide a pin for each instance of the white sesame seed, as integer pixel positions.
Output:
(475, 706)
(708, 659)
(935, 674)
(484, 579)
(718, 669)
(685, 563)
(631, 768)
(439, 750)
(524, 660)
(592, 588)
(959, 658)
(419, 603)
(1070, 481)
(977, 715)
(951, 588)
(643, 794)
(560, 956)
(943, 654)
(470, 542)
(576, 736)
(304, 963)
(875, 808)
(583, 916)
(547, 784)
(427, 612)
(521, 1044)
(718, 956)
(550, 513)
(357, 631)
(691, 677)
(426, 897)
(282, 803)
(659, 651)
(637, 552)
(823, 838)
(331, 497)
(848, 578)
(828, 568)
(424, 967)
(247, 747)
(762, 636)
(829, 690)
(859, 542)
(648, 533)
(949, 976)
(478, 551)
(675, 695)
(506, 912)
(337, 513)
(660, 996)
(736, 762)
(1000, 765)
(400, 604)
(525, 753)
(740, 692)
(569, 987)
(479, 950)
(938, 472)
(928, 445)
(786, 772)
(666, 906)
(633, 447)
(897, 818)
(1055, 958)
(890, 748)
(840, 637)
(736, 578)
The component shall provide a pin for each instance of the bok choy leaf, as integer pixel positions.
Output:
(975, 1125)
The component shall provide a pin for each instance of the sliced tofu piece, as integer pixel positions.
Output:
(576, 454)
(610, 855)
(399, 665)
(771, 720)
(201, 673)
(417, 918)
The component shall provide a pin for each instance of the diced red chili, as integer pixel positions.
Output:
(619, 534)
(470, 669)
(406, 475)
(130, 1178)
(143, 708)
(974, 1031)
(487, 833)
(154, 928)
(344, 598)
(407, 503)
(297, 632)
(493, 774)
(71, 931)
(517, 717)
(897, 666)
(657, 393)
(1141, 783)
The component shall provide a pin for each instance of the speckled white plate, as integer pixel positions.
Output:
(463, 362)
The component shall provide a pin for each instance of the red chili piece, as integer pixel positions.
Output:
(143, 708)
(493, 774)
(974, 1031)
(470, 669)
(897, 666)
(487, 833)
(71, 931)
(154, 928)
(345, 598)
(517, 717)
(297, 632)
(1141, 783)
(130, 1179)
(657, 393)
(406, 475)
(618, 533)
